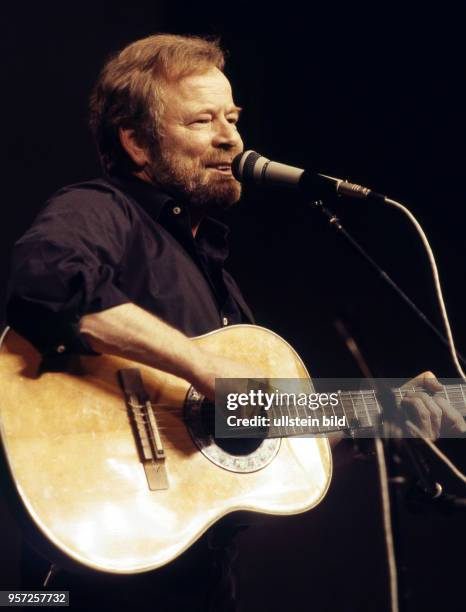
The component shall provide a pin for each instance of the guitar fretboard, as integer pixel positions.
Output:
(356, 410)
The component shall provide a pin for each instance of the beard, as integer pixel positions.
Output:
(189, 180)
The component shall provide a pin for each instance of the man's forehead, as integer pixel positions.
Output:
(201, 88)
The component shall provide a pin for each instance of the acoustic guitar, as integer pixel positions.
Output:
(113, 466)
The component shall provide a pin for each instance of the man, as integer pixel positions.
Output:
(132, 264)
(177, 133)
(123, 264)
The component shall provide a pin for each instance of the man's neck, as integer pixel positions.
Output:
(196, 216)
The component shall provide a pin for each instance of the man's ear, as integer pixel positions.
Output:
(129, 143)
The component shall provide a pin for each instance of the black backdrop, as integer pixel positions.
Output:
(375, 96)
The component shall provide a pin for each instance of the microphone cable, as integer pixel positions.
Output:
(437, 285)
(251, 167)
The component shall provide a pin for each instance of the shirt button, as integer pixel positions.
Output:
(61, 348)
(176, 210)
(225, 321)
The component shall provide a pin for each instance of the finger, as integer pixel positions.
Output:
(428, 380)
(435, 411)
(452, 420)
(420, 414)
(436, 414)
(431, 383)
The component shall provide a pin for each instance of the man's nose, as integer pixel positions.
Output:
(227, 135)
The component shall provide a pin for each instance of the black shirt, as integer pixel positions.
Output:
(112, 241)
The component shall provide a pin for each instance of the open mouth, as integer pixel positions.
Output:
(224, 168)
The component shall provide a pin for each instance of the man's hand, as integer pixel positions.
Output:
(431, 413)
(210, 366)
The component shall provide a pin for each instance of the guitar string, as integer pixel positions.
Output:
(365, 398)
(370, 405)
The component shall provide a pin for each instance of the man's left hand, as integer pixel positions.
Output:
(432, 414)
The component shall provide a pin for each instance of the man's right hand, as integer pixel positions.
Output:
(210, 366)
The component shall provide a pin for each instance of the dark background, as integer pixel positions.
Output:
(374, 95)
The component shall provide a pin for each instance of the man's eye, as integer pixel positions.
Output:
(202, 120)
(233, 120)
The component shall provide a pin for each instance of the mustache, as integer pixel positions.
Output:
(222, 160)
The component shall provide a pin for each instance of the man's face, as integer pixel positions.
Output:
(198, 141)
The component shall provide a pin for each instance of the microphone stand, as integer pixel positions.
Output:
(425, 491)
(404, 458)
(395, 478)
(335, 222)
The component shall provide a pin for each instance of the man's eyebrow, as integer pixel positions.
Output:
(207, 109)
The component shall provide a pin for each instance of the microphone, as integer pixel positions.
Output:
(251, 168)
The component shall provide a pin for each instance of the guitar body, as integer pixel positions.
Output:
(73, 464)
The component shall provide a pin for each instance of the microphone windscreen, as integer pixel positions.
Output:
(243, 164)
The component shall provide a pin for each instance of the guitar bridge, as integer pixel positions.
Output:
(145, 428)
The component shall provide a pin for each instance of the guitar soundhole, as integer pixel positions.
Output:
(235, 455)
(232, 446)
(238, 448)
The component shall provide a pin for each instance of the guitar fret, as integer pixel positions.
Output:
(361, 409)
(369, 422)
(365, 406)
(299, 414)
(348, 424)
(289, 416)
(462, 393)
(354, 421)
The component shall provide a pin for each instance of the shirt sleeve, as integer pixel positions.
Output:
(67, 265)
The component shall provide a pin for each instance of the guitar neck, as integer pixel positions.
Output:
(359, 411)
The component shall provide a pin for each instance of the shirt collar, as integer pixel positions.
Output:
(146, 195)
(212, 234)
